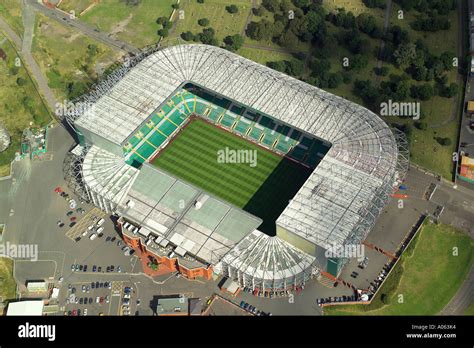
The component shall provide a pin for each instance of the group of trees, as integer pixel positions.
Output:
(166, 25)
(292, 67)
(432, 24)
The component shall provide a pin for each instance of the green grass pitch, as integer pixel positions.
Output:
(263, 190)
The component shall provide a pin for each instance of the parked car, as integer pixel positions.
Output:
(99, 269)
(83, 288)
(100, 230)
(93, 236)
(100, 222)
(85, 311)
(85, 268)
(94, 268)
(97, 299)
(93, 285)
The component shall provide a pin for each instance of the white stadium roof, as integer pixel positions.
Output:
(342, 197)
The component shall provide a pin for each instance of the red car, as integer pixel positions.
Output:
(73, 218)
(74, 313)
(58, 190)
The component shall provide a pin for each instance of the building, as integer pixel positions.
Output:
(36, 286)
(358, 161)
(25, 308)
(173, 306)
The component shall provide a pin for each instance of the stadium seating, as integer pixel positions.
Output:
(262, 129)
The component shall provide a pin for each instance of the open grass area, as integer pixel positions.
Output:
(428, 275)
(18, 97)
(77, 6)
(223, 22)
(133, 24)
(10, 11)
(262, 190)
(263, 56)
(63, 55)
(7, 282)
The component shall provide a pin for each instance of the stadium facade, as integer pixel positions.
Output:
(137, 111)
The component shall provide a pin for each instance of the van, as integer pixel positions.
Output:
(93, 236)
(100, 222)
(100, 230)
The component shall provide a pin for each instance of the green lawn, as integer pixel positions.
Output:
(7, 282)
(263, 56)
(10, 10)
(133, 24)
(263, 190)
(14, 115)
(428, 275)
(220, 19)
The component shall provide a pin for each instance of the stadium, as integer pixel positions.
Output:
(148, 142)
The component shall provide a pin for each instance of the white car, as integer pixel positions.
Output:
(100, 222)
(90, 228)
(100, 230)
(126, 296)
(97, 299)
(85, 311)
(93, 236)
(85, 233)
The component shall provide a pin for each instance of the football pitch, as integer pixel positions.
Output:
(262, 188)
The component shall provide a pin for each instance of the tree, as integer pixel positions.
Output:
(375, 3)
(271, 5)
(405, 54)
(163, 32)
(421, 125)
(232, 9)
(277, 65)
(187, 36)
(258, 11)
(294, 67)
(444, 141)
(175, 6)
(162, 20)
(234, 42)
(203, 22)
(20, 81)
(259, 30)
(200, 1)
(208, 37)
(422, 92)
(449, 91)
(301, 3)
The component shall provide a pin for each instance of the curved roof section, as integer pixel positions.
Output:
(338, 198)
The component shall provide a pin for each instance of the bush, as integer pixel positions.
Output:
(258, 11)
(175, 6)
(20, 81)
(203, 22)
(187, 36)
(444, 141)
(200, 1)
(232, 9)
(421, 125)
(163, 32)
(234, 42)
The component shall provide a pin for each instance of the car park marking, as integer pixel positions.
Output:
(83, 223)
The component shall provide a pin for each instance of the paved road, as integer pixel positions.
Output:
(84, 28)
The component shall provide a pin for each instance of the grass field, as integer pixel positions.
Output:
(10, 10)
(7, 282)
(263, 190)
(14, 115)
(469, 310)
(428, 275)
(133, 24)
(220, 19)
(62, 54)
